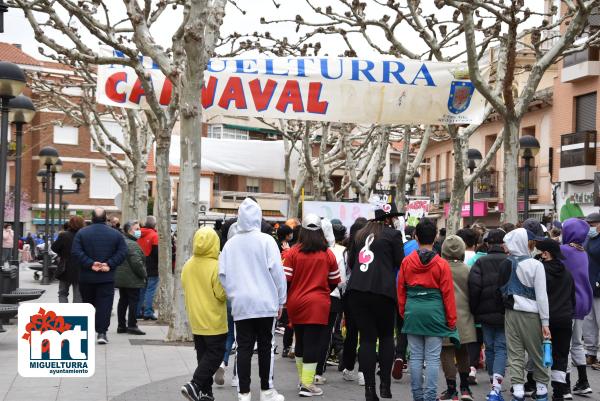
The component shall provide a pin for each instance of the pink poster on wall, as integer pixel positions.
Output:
(480, 209)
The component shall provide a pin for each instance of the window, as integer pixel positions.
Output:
(149, 185)
(216, 182)
(66, 135)
(221, 132)
(102, 183)
(279, 187)
(107, 146)
(585, 112)
(116, 131)
(65, 180)
(252, 184)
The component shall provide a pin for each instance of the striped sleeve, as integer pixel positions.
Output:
(288, 265)
(334, 275)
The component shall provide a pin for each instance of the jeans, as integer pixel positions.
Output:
(63, 292)
(424, 349)
(6, 254)
(230, 336)
(144, 308)
(495, 349)
(591, 327)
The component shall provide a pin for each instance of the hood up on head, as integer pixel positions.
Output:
(249, 216)
(327, 228)
(516, 242)
(574, 230)
(453, 247)
(206, 243)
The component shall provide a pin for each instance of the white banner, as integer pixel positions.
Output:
(350, 90)
(346, 212)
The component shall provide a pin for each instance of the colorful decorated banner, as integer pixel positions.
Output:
(350, 90)
(480, 209)
(346, 212)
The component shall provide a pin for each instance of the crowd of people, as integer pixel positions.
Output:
(518, 301)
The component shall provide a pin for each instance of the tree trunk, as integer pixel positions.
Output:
(511, 170)
(401, 180)
(457, 197)
(163, 218)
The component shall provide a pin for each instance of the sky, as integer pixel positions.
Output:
(18, 30)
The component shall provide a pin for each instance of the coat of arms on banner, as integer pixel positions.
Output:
(461, 92)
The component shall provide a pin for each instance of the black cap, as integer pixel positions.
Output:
(495, 237)
(534, 229)
(593, 218)
(551, 246)
(386, 210)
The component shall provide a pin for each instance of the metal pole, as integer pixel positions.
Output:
(52, 191)
(60, 206)
(3, 159)
(526, 189)
(471, 201)
(46, 267)
(17, 215)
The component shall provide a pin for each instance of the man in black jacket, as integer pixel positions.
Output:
(99, 250)
(488, 308)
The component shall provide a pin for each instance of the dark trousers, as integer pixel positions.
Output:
(401, 339)
(475, 349)
(209, 353)
(288, 334)
(327, 342)
(309, 339)
(128, 300)
(351, 340)
(100, 295)
(247, 333)
(561, 344)
(374, 316)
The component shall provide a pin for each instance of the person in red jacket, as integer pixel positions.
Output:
(427, 304)
(149, 244)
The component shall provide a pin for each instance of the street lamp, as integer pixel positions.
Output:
(411, 183)
(21, 112)
(12, 82)
(56, 168)
(528, 149)
(48, 157)
(78, 178)
(62, 214)
(474, 159)
(3, 9)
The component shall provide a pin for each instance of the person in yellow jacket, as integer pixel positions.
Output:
(205, 303)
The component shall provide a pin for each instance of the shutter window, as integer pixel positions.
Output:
(585, 107)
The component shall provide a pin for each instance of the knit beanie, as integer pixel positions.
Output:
(453, 248)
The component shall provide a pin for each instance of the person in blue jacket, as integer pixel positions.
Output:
(99, 249)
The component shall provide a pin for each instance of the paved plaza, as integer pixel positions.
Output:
(149, 371)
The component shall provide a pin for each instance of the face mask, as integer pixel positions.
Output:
(137, 233)
(593, 232)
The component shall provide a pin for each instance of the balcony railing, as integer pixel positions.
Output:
(445, 189)
(486, 186)
(589, 54)
(532, 181)
(578, 149)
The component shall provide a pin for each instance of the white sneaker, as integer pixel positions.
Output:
(320, 380)
(348, 375)
(244, 397)
(271, 395)
(310, 391)
(220, 375)
(234, 381)
(361, 379)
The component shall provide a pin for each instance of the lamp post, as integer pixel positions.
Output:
(528, 148)
(48, 156)
(78, 178)
(63, 208)
(12, 82)
(3, 9)
(21, 112)
(56, 168)
(474, 159)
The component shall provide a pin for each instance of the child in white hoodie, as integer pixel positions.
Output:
(251, 273)
(523, 287)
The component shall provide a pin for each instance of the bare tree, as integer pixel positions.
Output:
(183, 63)
(73, 95)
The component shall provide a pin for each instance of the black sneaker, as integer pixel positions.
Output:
(136, 331)
(449, 395)
(582, 387)
(206, 397)
(190, 391)
(529, 389)
(121, 330)
(102, 338)
(285, 353)
(466, 394)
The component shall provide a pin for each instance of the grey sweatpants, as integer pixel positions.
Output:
(591, 326)
(524, 338)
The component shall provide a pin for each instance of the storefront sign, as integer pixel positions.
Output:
(480, 209)
(583, 197)
(351, 90)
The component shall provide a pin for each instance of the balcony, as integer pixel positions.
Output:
(577, 156)
(486, 186)
(438, 191)
(580, 65)
(445, 190)
(533, 173)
